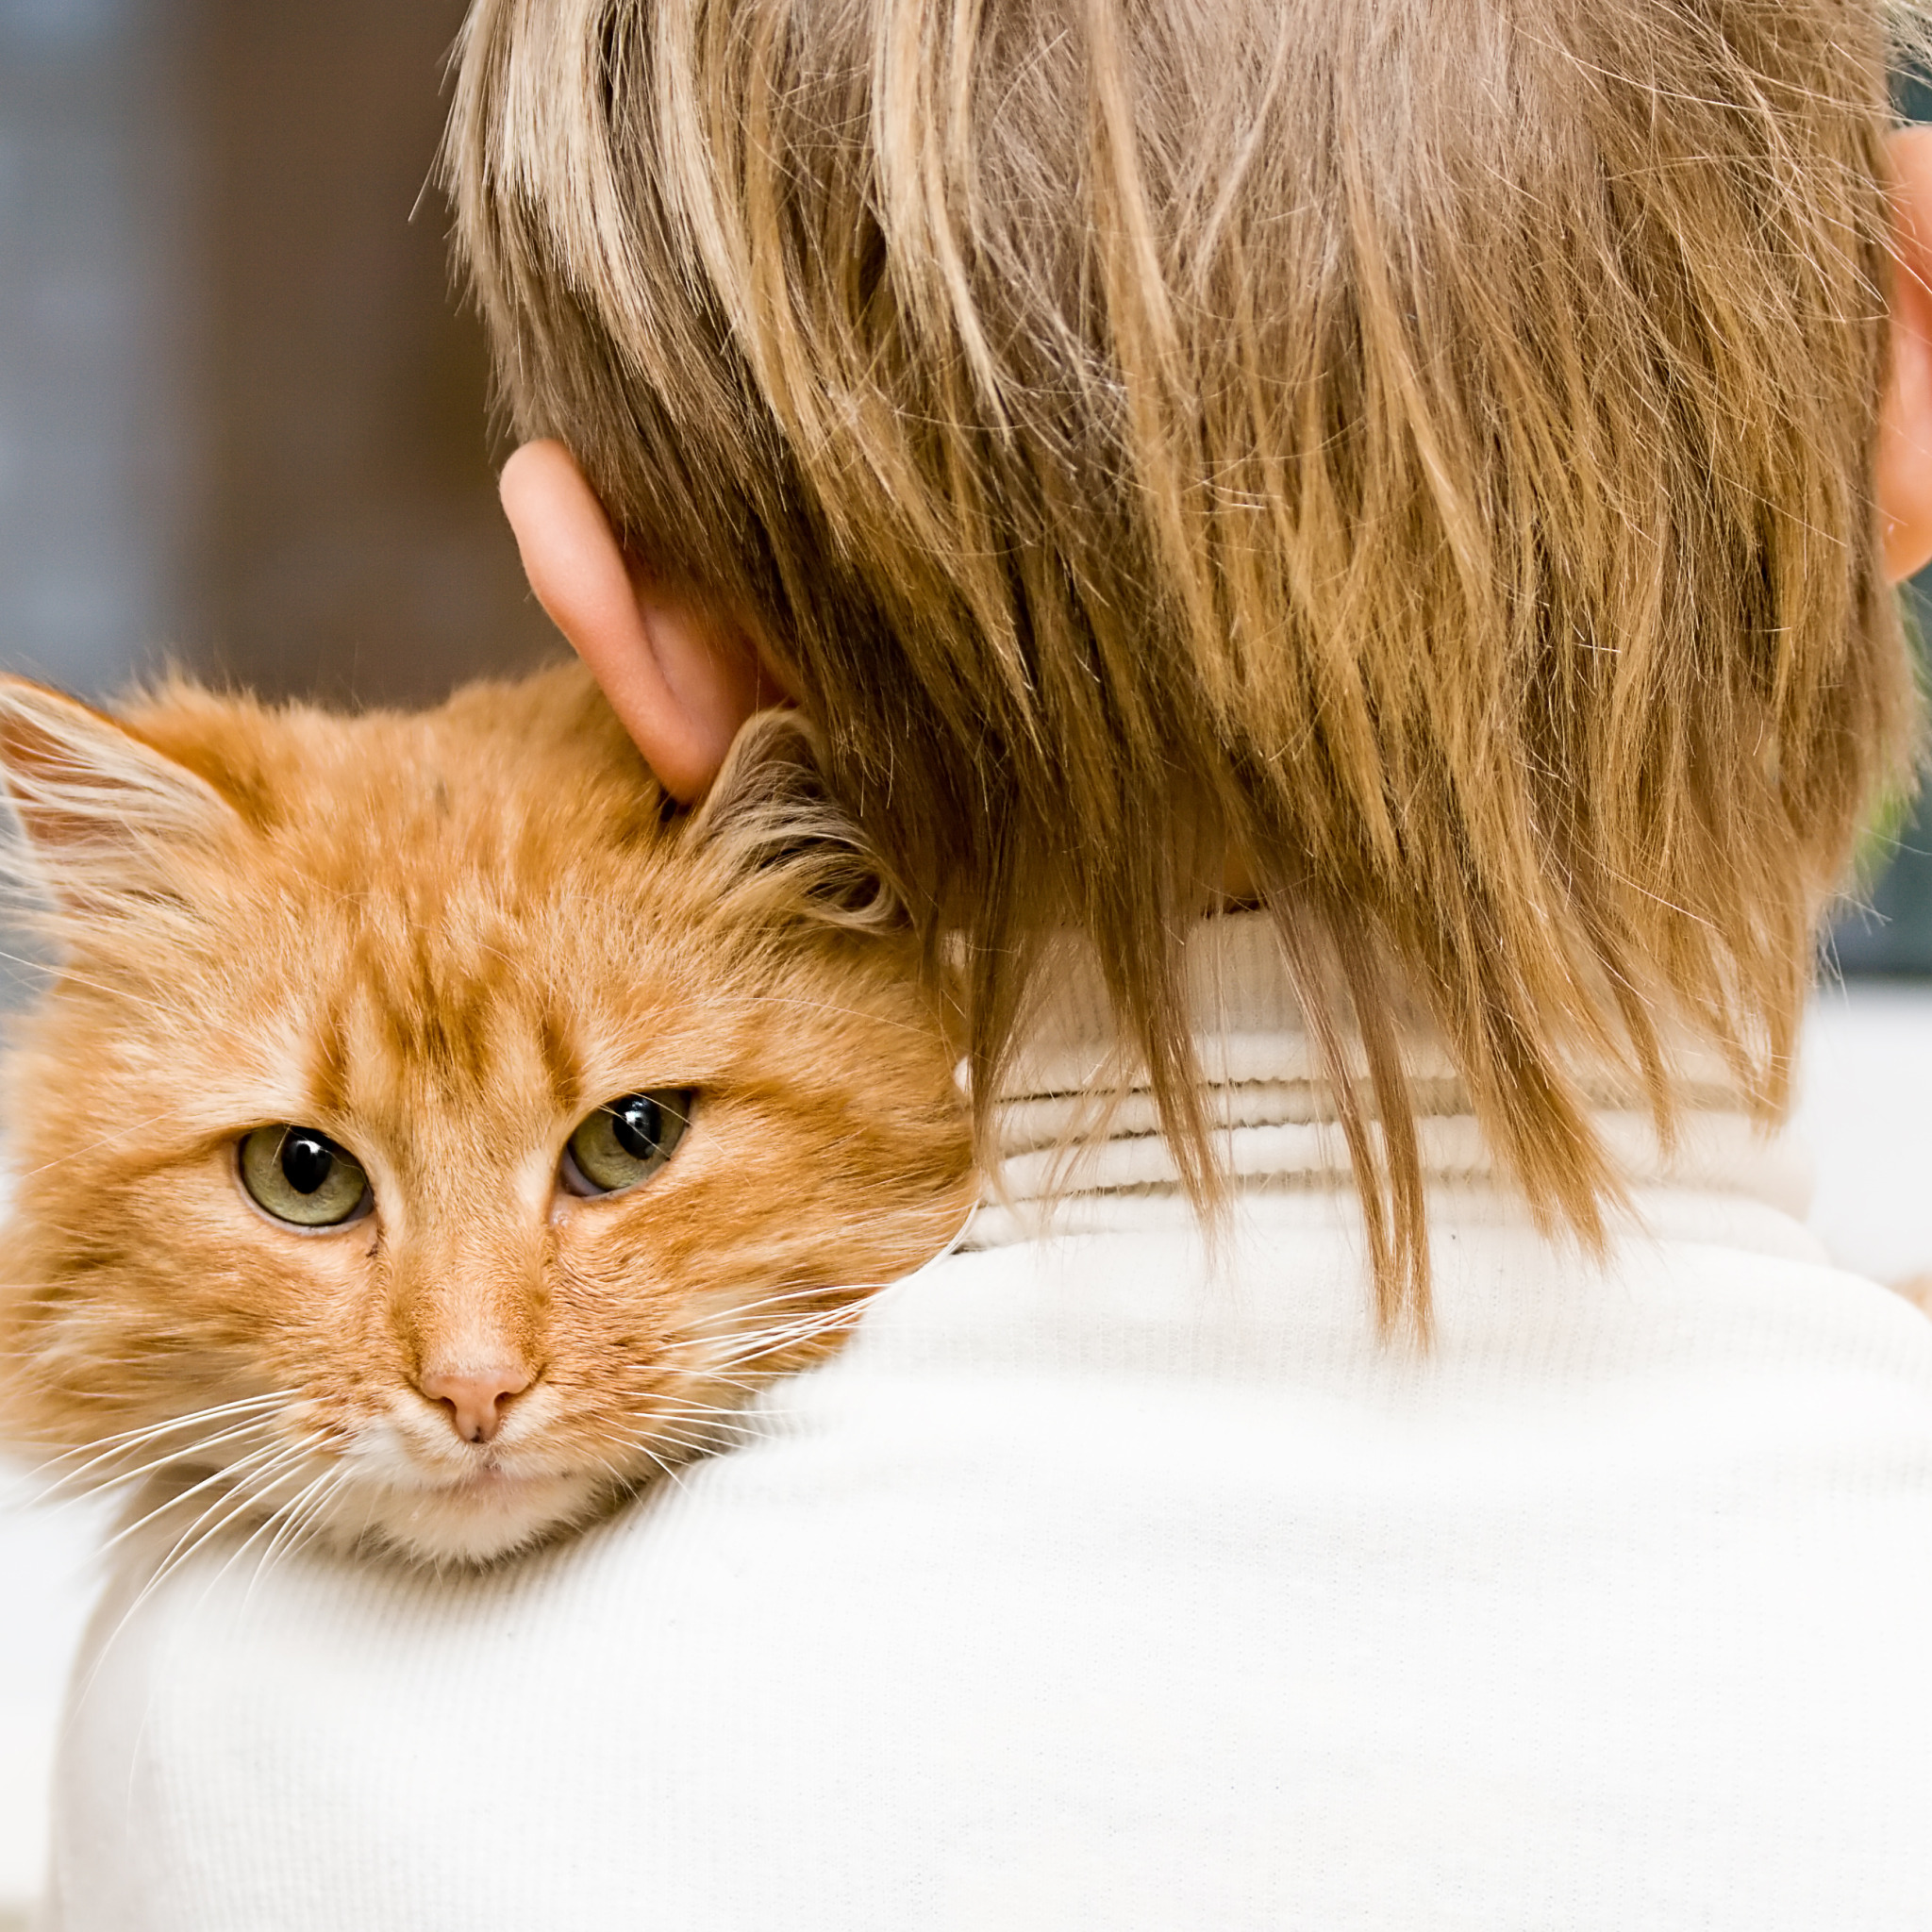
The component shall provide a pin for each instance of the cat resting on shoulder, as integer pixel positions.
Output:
(426, 1136)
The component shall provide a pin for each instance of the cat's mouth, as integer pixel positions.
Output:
(476, 1514)
(489, 1477)
(496, 1485)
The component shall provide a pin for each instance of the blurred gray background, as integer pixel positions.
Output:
(242, 422)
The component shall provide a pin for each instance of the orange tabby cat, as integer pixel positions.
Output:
(426, 1136)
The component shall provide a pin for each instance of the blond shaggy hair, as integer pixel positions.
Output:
(1419, 448)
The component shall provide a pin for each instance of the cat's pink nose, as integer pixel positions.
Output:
(476, 1398)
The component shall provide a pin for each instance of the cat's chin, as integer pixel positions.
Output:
(477, 1522)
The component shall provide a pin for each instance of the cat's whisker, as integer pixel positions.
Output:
(855, 1298)
(622, 1480)
(776, 1326)
(321, 1503)
(233, 1425)
(266, 1527)
(639, 1429)
(795, 1292)
(187, 1452)
(779, 1332)
(237, 1476)
(253, 1414)
(842, 1311)
(628, 1441)
(670, 1469)
(198, 1535)
(743, 1384)
(38, 1352)
(61, 1473)
(676, 1440)
(220, 1483)
(748, 1347)
(126, 1481)
(186, 1460)
(119, 1131)
(690, 1404)
(294, 1522)
(769, 1361)
(748, 1414)
(198, 1415)
(258, 1476)
(62, 971)
(229, 1507)
(251, 1497)
(169, 1563)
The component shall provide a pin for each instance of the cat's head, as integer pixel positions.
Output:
(424, 1126)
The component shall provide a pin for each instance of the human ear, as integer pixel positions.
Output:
(680, 679)
(1905, 421)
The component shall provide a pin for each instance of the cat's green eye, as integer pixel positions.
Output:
(626, 1140)
(301, 1177)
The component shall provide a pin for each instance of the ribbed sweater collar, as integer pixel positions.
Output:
(1066, 1139)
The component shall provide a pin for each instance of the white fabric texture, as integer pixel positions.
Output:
(1107, 1581)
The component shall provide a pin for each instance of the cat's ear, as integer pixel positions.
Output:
(95, 805)
(769, 812)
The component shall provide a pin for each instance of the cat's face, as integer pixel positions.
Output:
(422, 1129)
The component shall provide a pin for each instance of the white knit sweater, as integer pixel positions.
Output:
(1101, 1586)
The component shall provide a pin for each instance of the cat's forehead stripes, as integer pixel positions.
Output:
(473, 1030)
(491, 990)
(444, 1016)
(562, 1064)
(327, 1072)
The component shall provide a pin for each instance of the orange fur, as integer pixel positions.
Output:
(442, 940)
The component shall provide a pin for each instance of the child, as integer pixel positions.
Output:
(1418, 464)
(1406, 469)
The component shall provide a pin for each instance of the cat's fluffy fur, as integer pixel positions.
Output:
(441, 940)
